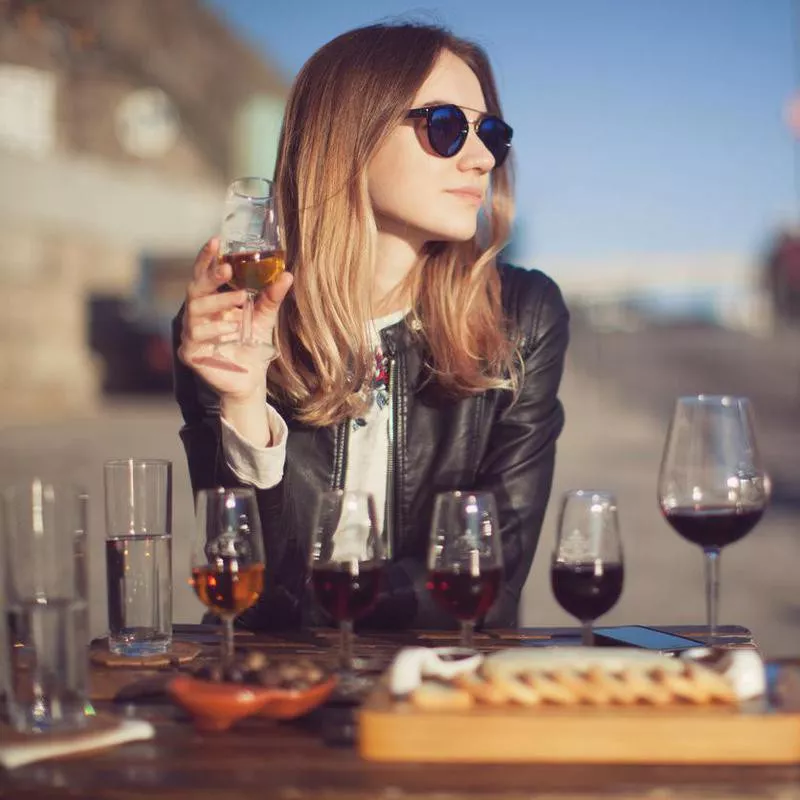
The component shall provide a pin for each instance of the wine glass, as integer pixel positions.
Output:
(347, 562)
(227, 556)
(586, 570)
(251, 243)
(465, 557)
(712, 487)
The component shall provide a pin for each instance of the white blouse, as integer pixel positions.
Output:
(367, 447)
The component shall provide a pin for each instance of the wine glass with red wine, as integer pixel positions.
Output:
(712, 486)
(227, 556)
(347, 559)
(586, 571)
(465, 557)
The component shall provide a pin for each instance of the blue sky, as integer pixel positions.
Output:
(640, 125)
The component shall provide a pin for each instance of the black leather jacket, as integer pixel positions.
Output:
(481, 442)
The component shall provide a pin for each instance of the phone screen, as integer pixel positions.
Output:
(647, 638)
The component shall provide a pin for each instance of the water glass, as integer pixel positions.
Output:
(138, 496)
(43, 532)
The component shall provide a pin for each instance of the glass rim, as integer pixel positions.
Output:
(61, 486)
(270, 186)
(219, 491)
(139, 462)
(590, 493)
(713, 399)
(465, 493)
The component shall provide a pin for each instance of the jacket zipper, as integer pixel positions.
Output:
(340, 455)
(391, 459)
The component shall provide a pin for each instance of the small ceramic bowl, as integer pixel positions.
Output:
(293, 703)
(216, 706)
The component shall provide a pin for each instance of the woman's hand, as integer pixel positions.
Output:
(236, 372)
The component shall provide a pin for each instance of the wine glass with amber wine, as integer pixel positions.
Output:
(586, 569)
(250, 242)
(465, 557)
(227, 556)
(712, 487)
(348, 559)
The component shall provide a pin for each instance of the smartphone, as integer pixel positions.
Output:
(644, 637)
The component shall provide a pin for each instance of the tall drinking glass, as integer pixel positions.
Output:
(43, 530)
(138, 495)
(712, 487)
(465, 557)
(227, 556)
(586, 570)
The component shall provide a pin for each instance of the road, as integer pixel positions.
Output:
(618, 393)
(619, 390)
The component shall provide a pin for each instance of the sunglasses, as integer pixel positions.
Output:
(448, 129)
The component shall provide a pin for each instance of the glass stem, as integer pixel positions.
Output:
(247, 318)
(587, 637)
(227, 642)
(467, 633)
(346, 645)
(712, 591)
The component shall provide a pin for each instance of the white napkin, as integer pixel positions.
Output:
(21, 751)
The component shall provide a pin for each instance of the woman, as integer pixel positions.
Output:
(407, 361)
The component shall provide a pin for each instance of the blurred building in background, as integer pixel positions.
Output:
(121, 121)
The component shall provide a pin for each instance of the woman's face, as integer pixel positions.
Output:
(419, 195)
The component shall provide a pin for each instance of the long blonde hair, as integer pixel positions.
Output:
(344, 102)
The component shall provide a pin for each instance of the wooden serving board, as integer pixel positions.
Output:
(391, 730)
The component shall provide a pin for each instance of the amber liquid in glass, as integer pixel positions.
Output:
(228, 589)
(255, 269)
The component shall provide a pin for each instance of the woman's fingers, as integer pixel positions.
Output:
(208, 331)
(208, 272)
(272, 296)
(216, 303)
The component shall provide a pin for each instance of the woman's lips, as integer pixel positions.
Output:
(471, 195)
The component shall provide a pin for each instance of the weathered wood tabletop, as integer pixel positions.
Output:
(315, 757)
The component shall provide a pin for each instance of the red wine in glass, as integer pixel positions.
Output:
(712, 487)
(347, 563)
(344, 593)
(587, 591)
(465, 557)
(713, 526)
(464, 595)
(586, 570)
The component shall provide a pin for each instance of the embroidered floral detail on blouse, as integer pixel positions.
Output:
(378, 391)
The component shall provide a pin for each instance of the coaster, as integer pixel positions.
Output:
(99, 733)
(179, 653)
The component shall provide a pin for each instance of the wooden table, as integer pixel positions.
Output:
(314, 757)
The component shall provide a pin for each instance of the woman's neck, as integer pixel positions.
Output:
(396, 257)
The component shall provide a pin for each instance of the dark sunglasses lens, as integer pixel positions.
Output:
(496, 135)
(447, 130)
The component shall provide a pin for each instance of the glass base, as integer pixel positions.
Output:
(138, 644)
(351, 687)
(43, 717)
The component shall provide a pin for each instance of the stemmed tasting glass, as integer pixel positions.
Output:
(251, 242)
(227, 556)
(586, 570)
(712, 487)
(347, 560)
(465, 557)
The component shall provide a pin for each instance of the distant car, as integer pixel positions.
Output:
(782, 276)
(135, 349)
